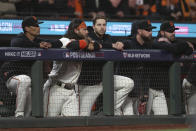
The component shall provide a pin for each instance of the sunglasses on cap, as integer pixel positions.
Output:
(170, 31)
(35, 25)
(149, 30)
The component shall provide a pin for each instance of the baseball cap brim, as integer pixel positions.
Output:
(36, 24)
(171, 29)
(151, 27)
(40, 22)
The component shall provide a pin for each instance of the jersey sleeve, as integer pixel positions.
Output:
(177, 48)
(65, 42)
(77, 45)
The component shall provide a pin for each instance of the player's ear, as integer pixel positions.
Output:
(139, 31)
(162, 33)
(27, 28)
(76, 31)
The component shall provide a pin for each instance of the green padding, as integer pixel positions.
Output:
(37, 89)
(108, 88)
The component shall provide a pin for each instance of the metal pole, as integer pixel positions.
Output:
(37, 89)
(108, 88)
(175, 89)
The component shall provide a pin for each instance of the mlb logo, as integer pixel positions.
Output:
(125, 54)
(66, 55)
(39, 54)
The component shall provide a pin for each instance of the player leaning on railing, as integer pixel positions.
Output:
(16, 74)
(122, 85)
(158, 92)
(142, 39)
(61, 89)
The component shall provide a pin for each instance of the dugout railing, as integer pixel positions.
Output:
(110, 56)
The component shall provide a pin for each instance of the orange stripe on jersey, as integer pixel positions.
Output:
(82, 44)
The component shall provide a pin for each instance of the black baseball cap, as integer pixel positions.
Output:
(168, 26)
(145, 24)
(30, 21)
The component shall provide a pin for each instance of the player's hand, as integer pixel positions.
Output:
(100, 46)
(45, 45)
(90, 43)
(91, 46)
(118, 45)
(163, 39)
(190, 45)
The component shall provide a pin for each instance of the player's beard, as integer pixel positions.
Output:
(172, 38)
(100, 33)
(80, 36)
(146, 39)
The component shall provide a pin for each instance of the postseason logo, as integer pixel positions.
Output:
(79, 55)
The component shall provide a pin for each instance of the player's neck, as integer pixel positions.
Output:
(29, 36)
(139, 40)
(98, 35)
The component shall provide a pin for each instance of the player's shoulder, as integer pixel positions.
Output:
(107, 35)
(65, 41)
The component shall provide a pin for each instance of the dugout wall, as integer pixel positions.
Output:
(110, 58)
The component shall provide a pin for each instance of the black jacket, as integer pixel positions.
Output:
(22, 41)
(91, 73)
(177, 48)
(151, 74)
(106, 41)
(12, 68)
(24, 67)
(139, 71)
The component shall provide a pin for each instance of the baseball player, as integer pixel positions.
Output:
(122, 85)
(157, 100)
(16, 74)
(61, 89)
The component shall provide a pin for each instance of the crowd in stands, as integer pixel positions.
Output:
(113, 9)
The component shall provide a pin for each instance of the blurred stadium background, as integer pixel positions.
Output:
(57, 14)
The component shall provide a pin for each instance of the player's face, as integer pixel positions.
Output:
(169, 35)
(146, 34)
(100, 27)
(82, 32)
(33, 30)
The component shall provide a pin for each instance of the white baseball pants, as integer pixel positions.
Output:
(157, 102)
(88, 95)
(127, 108)
(59, 101)
(21, 85)
(191, 105)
